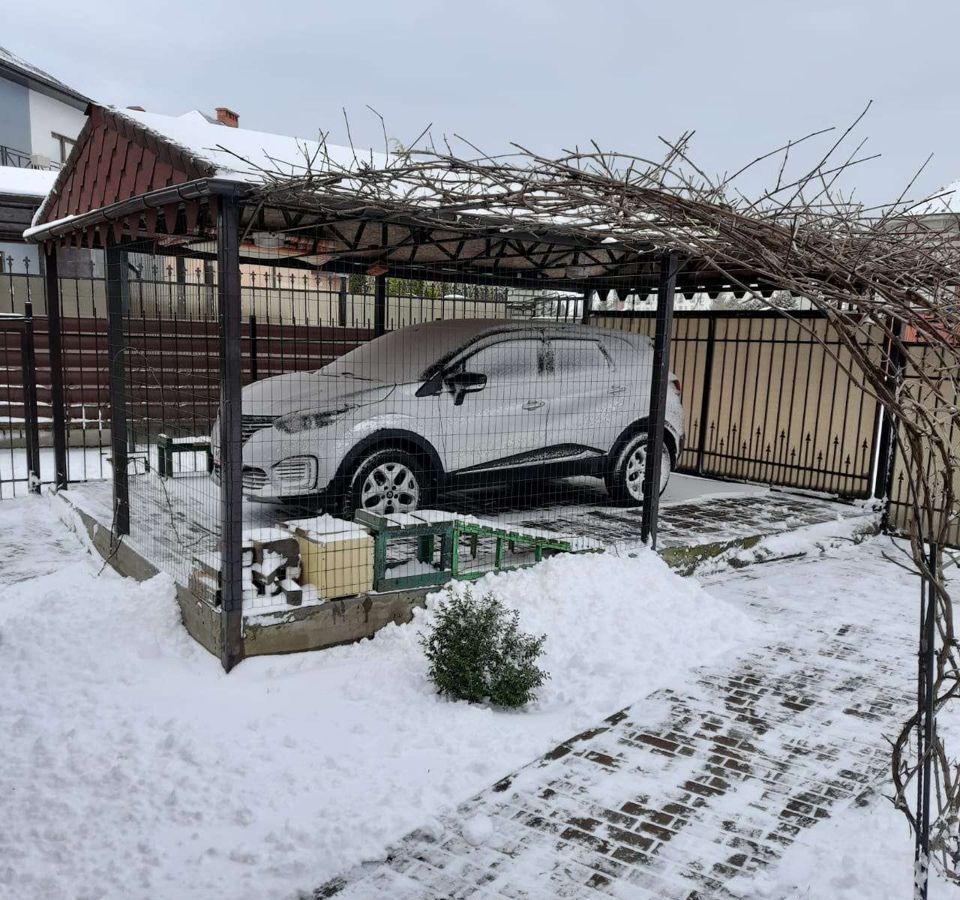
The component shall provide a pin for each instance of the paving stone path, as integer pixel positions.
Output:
(678, 795)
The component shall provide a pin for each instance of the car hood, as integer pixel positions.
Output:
(308, 391)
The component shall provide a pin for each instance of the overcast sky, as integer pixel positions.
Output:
(746, 74)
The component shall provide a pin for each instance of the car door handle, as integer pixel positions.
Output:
(618, 389)
(533, 404)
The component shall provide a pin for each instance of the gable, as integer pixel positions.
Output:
(115, 159)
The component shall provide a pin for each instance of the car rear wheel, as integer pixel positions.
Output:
(388, 481)
(625, 482)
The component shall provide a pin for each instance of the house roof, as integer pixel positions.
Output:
(240, 154)
(15, 68)
(947, 202)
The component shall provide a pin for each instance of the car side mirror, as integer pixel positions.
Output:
(464, 383)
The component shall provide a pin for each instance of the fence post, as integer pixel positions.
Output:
(882, 474)
(379, 305)
(587, 302)
(707, 388)
(55, 336)
(117, 288)
(231, 447)
(342, 302)
(658, 397)
(28, 362)
(252, 324)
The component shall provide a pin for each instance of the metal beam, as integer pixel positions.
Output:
(117, 304)
(231, 446)
(658, 397)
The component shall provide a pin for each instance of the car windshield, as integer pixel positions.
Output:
(402, 356)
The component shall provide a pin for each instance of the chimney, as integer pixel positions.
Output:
(227, 117)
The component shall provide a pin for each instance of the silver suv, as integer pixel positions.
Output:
(477, 400)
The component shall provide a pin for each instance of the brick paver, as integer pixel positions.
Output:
(675, 796)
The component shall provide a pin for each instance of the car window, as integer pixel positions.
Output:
(572, 358)
(628, 359)
(507, 361)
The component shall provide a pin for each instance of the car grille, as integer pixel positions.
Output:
(250, 424)
(253, 479)
(297, 468)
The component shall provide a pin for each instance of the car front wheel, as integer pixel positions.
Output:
(625, 482)
(388, 481)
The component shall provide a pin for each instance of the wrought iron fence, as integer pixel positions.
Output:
(765, 400)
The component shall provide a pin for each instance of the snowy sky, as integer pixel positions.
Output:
(746, 74)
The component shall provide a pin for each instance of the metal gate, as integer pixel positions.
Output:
(769, 399)
(19, 427)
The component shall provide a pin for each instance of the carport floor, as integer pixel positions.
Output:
(174, 520)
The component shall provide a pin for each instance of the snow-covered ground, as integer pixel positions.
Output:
(134, 768)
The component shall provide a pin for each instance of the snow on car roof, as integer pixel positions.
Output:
(413, 353)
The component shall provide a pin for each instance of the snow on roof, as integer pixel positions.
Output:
(26, 182)
(12, 62)
(238, 153)
(947, 202)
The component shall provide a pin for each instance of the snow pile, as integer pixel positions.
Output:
(134, 768)
(864, 853)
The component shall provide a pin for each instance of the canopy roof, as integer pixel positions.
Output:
(142, 176)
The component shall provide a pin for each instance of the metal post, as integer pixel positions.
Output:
(342, 302)
(658, 397)
(379, 305)
(707, 389)
(925, 724)
(180, 267)
(231, 447)
(587, 302)
(253, 346)
(55, 335)
(31, 422)
(882, 473)
(117, 288)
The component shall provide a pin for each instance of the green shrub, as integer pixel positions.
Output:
(477, 652)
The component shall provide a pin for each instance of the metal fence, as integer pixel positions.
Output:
(293, 321)
(765, 400)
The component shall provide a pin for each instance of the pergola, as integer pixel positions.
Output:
(190, 188)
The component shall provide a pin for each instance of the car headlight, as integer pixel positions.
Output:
(304, 421)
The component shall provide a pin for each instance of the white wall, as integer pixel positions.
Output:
(48, 115)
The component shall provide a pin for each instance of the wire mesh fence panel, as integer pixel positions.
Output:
(400, 432)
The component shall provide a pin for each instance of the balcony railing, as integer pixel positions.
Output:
(20, 159)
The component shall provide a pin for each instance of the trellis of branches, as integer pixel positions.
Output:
(885, 281)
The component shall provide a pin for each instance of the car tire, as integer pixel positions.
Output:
(625, 481)
(388, 480)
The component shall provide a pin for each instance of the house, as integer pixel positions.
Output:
(40, 119)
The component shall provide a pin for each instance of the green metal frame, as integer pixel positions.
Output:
(450, 532)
